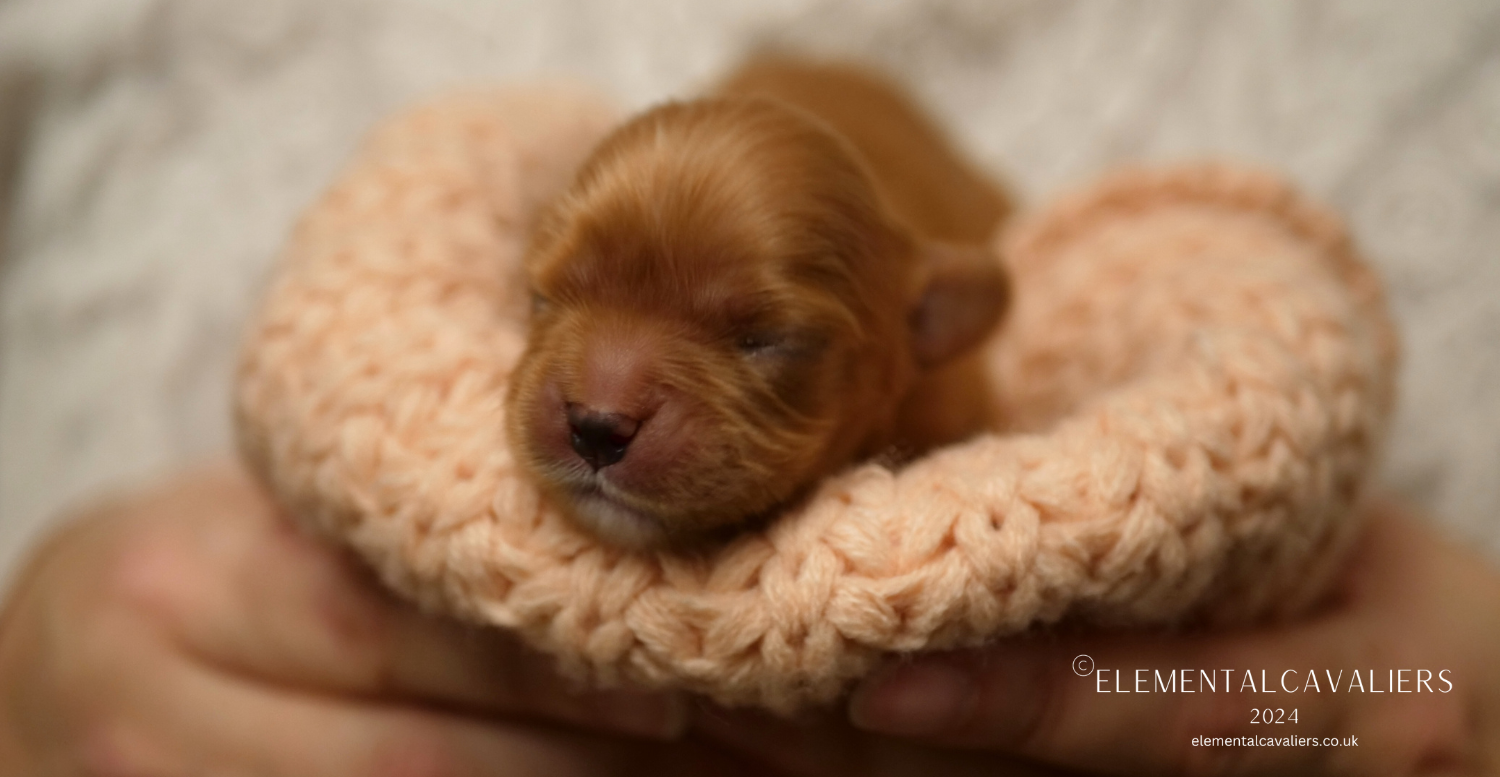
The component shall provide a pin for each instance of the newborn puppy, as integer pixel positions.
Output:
(741, 294)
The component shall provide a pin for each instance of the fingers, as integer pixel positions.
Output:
(1137, 709)
(243, 590)
(819, 747)
(1138, 702)
(188, 719)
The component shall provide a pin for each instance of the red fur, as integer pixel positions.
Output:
(743, 293)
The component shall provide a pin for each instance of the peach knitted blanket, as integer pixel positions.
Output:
(1195, 379)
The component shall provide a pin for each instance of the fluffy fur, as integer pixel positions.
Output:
(746, 292)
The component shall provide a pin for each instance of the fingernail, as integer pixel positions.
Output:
(657, 715)
(917, 699)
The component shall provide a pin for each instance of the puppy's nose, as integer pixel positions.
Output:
(600, 438)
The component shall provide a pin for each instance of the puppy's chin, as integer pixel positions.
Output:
(614, 521)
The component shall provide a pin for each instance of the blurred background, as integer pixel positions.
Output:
(155, 153)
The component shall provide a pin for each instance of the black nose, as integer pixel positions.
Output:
(600, 438)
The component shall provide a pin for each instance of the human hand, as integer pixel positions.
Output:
(193, 631)
(1408, 600)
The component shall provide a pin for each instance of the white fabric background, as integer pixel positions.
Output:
(153, 154)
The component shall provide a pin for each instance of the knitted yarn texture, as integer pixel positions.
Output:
(1195, 377)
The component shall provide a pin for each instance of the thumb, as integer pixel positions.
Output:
(1125, 703)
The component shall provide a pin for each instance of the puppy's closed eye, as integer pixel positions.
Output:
(731, 302)
(760, 343)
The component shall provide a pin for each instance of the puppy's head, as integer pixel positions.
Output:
(722, 312)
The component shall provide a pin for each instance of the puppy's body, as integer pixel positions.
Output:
(741, 294)
(926, 185)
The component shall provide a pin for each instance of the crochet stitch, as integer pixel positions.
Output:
(1194, 381)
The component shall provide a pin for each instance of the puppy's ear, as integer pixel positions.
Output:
(964, 297)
